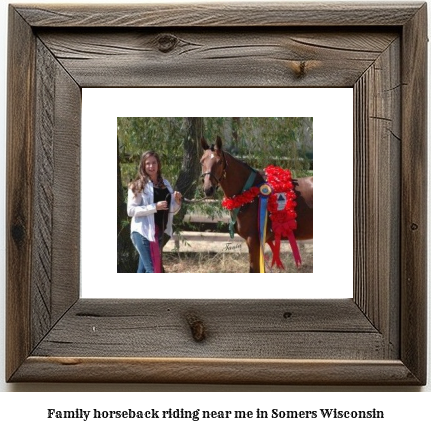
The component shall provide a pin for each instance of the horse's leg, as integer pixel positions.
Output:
(254, 253)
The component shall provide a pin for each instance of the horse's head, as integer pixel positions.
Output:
(213, 166)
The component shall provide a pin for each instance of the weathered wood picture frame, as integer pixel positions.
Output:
(378, 337)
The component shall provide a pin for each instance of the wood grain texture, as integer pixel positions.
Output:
(43, 194)
(269, 329)
(19, 200)
(66, 188)
(414, 229)
(214, 14)
(231, 58)
(377, 182)
(43, 191)
(215, 371)
(56, 194)
(379, 337)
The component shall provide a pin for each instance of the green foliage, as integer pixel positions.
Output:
(259, 141)
(137, 135)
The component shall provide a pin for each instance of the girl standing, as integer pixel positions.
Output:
(152, 204)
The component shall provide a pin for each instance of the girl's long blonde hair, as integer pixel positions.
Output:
(142, 178)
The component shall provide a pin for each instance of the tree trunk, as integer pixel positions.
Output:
(236, 124)
(190, 169)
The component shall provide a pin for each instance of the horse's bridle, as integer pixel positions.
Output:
(223, 175)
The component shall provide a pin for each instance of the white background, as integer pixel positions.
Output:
(405, 407)
(333, 232)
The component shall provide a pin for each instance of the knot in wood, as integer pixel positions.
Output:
(300, 69)
(18, 233)
(197, 328)
(166, 42)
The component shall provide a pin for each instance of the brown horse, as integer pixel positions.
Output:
(219, 168)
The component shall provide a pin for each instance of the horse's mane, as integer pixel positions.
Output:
(240, 161)
(259, 171)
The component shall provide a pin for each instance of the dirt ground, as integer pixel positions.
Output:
(197, 252)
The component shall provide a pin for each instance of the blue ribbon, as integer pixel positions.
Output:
(263, 206)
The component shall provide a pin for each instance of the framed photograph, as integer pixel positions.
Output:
(266, 133)
(376, 337)
(200, 240)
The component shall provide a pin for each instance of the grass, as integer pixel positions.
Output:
(208, 262)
